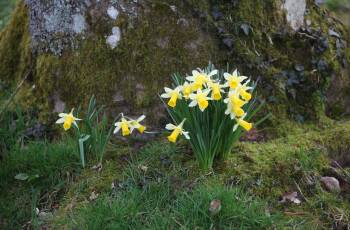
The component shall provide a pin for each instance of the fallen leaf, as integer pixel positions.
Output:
(22, 176)
(93, 196)
(143, 168)
(291, 197)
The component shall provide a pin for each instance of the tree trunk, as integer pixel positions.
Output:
(125, 51)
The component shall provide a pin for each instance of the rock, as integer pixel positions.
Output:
(215, 207)
(330, 184)
(82, 48)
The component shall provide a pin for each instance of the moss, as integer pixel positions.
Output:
(266, 170)
(136, 70)
(15, 55)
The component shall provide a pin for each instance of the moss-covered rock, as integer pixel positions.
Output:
(73, 57)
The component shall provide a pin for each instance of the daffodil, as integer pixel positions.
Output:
(186, 89)
(234, 105)
(233, 80)
(200, 98)
(244, 124)
(124, 125)
(243, 91)
(135, 124)
(200, 78)
(67, 119)
(173, 94)
(216, 90)
(176, 131)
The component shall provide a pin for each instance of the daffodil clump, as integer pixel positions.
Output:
(214, 108)
(95, 132)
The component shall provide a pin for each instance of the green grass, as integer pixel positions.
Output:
(55, 164)
(160, 186)
(157, 206)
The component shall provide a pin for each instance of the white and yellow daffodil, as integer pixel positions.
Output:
(233, 80)
(67, 119)
(243, 91)
(200, 98)
(173, 94)
(124, 125)
(176, 131)
(200, 78)
(234, 105)
(186, 89)
(244, 124)
(135, 124)
(216, 90)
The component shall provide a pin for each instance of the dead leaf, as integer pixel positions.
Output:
(291, 197)
(143, 168)
(97, 167)
(93, 196)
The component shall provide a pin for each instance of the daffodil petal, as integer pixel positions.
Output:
(60, 121)
(170, 127)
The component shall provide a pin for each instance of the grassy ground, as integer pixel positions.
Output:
(157, 185)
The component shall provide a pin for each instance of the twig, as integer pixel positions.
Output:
(301, 193)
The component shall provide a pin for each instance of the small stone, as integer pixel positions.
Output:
(215, 207)
(330, 184)
(299, 67)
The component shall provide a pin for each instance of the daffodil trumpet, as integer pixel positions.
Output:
(233, 80)
(200, 98)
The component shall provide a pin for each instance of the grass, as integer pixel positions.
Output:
(156, 206)
(55, 164)
(158, 185)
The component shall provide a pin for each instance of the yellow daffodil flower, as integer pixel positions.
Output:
(243, 91)
(200, 98)
(233, 80)
(67, 119)
(173, 94)
(234, 105)
(135, 124)
(176, 131)
(216, 90)
(186, 89)
(200, 78)
(124, 125)
(244, 124)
